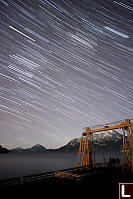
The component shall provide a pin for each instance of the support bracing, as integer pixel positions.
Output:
(127, 148)
(86, 155)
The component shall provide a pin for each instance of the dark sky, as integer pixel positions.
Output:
(65, 65)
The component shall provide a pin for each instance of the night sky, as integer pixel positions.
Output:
(64, 65)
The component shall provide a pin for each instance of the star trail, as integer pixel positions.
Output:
(64, 65)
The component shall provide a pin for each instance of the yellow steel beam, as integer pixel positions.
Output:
(106, 128)
(123, 124)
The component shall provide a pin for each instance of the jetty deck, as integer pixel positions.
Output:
(100, 181)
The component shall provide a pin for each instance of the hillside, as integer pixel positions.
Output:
(35, 148)
(102, 141)
(109, 140)
(3, 150)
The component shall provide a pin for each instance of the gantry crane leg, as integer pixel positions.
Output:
(127, 148)
(86, 155)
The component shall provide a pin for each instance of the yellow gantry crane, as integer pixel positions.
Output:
(86, 155)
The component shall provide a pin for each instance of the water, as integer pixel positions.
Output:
(20, 164)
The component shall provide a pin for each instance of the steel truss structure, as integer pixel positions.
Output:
(86, 155)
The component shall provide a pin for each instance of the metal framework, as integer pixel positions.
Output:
(86, 155)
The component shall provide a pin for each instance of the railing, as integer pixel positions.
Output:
(10, 182)
(49, 175)
(38, 177)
